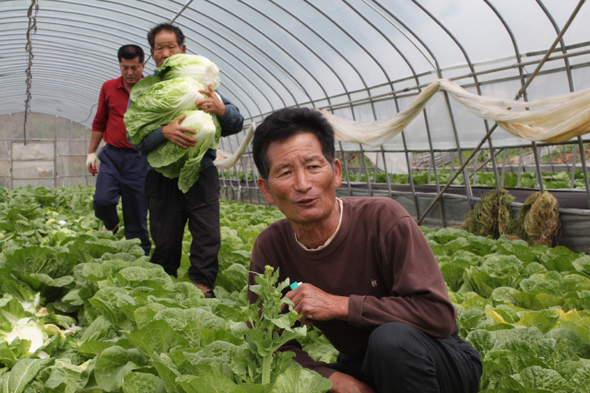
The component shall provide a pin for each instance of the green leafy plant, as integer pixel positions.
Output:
(168, 95)
(269, 328)
(85, 311)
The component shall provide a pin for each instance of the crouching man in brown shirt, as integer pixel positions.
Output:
(370, 281)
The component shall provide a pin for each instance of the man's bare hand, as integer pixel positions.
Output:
(344, 383)
(316, 305)
(176, 134)
(211, 104)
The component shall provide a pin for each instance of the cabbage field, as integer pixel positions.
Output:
(83, 311)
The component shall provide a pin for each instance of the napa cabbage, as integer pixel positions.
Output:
(160, 103)
(197, 67)
(18, 322)
(175, 161)
(166, 96)
(27, 329)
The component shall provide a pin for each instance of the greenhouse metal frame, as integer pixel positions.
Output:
(358, 59)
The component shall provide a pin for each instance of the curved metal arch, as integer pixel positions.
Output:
(261, 64)
(231, 64)
(146, 56)
(262, 51)
(140, 15)
(51, 85)
(327, 97)
(18, 105)
(138, 10)
(48, 80)
(346, 91)
(571, 87)
(252, 82)
(242, 89)
(321, 38)
(238, 60)
(563, 46)
(46, 36)
(48, 21)
(425, 114)
(477, 85)
(100, 42)
(68, 112)
(49, 66)
(514, 44)
(96, 60)
(51, 55)
(349, 35)
(368, 91)
(359, 74)
(50, 110)
(336, 75)
(468, 191)
(332, 47)
(13, 21)
(512, 39)
(389, 82)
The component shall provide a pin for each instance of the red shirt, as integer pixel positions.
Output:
(112, 105)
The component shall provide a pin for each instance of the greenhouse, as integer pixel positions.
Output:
(474, 115)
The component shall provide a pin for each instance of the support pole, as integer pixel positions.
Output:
(520, 93)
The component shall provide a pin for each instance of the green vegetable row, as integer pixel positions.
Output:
(525, 309)
(83, 311)
(555, 180)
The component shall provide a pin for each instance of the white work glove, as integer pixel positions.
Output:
(92, 163)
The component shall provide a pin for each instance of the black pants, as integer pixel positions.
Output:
(403, 359)
(122, 175)
(170, 209)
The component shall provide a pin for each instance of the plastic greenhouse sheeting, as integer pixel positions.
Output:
(360, 59)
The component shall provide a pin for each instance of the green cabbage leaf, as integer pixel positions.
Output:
(174, 161)
(195, 66)
(170, 94)
(160, 103)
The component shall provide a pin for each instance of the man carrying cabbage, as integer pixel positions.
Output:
(175, 120)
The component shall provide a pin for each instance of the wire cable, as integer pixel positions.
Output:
(31, 29)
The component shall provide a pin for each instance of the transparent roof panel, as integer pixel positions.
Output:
(362, 59)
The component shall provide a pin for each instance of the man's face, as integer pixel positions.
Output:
(165, 45)
(301, 181)
(131, 70)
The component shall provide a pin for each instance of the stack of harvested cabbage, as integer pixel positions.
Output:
(160, 99)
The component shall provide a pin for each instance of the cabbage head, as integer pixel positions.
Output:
(162, 98)
(197, 67)
(159, 103)
(174, 161)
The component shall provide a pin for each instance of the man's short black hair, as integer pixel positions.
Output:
(285, 123)
(130, 52)
(168, 27)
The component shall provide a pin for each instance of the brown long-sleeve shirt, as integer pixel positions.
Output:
(379, 258)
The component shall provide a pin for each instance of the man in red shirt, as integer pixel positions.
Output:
(122, 171)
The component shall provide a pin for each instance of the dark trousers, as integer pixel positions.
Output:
(122, 175)
(403, 359)
(170, 209)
